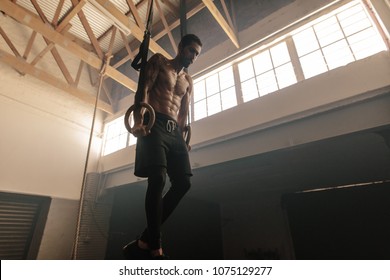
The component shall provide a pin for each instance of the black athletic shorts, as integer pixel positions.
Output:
(165, 147)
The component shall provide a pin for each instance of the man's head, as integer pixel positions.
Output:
(189, 49)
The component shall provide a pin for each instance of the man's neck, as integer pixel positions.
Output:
(176, 65)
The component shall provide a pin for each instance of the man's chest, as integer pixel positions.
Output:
(173, 82)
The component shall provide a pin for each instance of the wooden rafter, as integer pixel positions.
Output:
(129, 51)
(176, 23)
(39, 11)
(58, 12)
(22, 66)
(48, 48)
(53, 50)
(79, 71)
(221, 21)
(20, 15)
(89, 30)
(9, 43)
(122, 20)
(56, 33)
(172, 8)
(135, 14)
(29, 45)
(76, 9)
(126, 43)
(166, 26)
(228, 17)
(63, 27)
(112, 40)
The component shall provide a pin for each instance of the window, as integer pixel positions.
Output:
(266, 72)
(337, 39)
(116, 136)
(333, 40)
(214, 93)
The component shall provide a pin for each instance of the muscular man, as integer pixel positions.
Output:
(163, 150)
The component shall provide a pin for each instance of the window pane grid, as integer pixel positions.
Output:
(266, 72)
(342, 38)
(214, 94)
(116, 136)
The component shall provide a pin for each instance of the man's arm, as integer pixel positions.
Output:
(151, 73)
(184, 106)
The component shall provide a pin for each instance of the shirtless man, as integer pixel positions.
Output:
(163, 150)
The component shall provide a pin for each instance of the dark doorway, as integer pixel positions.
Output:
(341, 223)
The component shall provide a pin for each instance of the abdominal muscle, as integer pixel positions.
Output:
(167, 92)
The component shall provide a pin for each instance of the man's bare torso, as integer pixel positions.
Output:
(166, 93)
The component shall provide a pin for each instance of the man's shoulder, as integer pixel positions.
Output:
(158, 57)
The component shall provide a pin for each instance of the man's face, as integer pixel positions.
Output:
(189, 54)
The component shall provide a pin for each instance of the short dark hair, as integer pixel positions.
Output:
(188, 39)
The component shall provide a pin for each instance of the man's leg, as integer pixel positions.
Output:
(180, 186)
(154, 207)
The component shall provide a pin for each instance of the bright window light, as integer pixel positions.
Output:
(214, 93)
(116, 136)
(266, 72)
(337, 39)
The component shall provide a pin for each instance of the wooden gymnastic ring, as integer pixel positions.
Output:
(187, 134)
(152, 116)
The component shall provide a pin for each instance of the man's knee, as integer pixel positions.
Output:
(182, 184)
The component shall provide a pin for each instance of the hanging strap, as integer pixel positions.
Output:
(139, 64)
(141, 58)
(183, 31)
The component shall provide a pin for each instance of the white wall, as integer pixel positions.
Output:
(44, 131)
(59, 234)
(44, 135)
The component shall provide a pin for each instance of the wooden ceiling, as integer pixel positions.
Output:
(93, 31)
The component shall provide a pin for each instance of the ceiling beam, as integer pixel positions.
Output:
(53, 50)
(29, 45)
(22, 66)
(125, 24)
(88, 30)
(9, 43)
(37, 25)
(176, 23)
(221, 21)
(135, 13)
(57, 13)
(166, 26)
(75, 10)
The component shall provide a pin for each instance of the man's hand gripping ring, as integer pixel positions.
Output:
(152, 116)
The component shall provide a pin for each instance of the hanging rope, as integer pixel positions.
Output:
(102, 73)
(139, 64)
(183, 31)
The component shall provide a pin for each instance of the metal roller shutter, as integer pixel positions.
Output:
(22, 220)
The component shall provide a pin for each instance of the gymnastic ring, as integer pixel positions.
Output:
(187, 134)
(152, 116)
